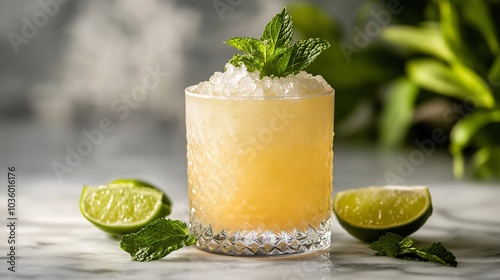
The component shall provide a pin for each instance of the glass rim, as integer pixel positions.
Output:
(188, 91)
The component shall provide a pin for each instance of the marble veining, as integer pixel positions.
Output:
(55, 242)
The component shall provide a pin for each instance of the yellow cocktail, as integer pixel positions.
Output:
(260, 172)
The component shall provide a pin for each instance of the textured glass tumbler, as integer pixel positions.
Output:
(260, 173)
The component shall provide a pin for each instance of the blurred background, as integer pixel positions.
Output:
(93, 90)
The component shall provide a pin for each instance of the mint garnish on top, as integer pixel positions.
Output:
(274, 54)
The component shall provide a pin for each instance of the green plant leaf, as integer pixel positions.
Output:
(457, 81)
(271, 55)
(451, 30)
(304, 52)
(278, 64)
(247, 45)
(424, 39)
(253, 52)
(486, 163)
(477, 14)
(393, 245)
(277, 33)
(464, 131)
(435, 76)
(494, 72)
(478, 91)
(387, 245)
(156, 240)
(397, 113)
(251, 64)
(436, 252)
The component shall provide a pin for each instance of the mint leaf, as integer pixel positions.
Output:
(156, 240)
(239, 59)
(278, 32)
(253, 49)
(250, 46)
(406, 245)
(393, 245)
(278, 65)
(387, 245)
(436, 252)
(274, 54)
(305, 52)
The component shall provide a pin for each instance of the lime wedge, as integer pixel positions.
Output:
(368, 213)
(121, 208)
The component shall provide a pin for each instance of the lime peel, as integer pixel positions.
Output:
(369, 213)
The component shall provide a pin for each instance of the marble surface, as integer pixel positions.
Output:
(56, 242)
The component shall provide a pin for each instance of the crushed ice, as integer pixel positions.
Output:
(237, 81)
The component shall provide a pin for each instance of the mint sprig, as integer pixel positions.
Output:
(274, 55)
(393, 245)
(156, 240)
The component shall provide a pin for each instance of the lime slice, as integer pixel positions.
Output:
(368, 213)
(122, 208)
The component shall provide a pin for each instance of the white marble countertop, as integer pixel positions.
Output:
(56, 242)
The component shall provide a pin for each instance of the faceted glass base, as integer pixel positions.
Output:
(253, 243)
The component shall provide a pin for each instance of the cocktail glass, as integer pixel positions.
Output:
(260, 172)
